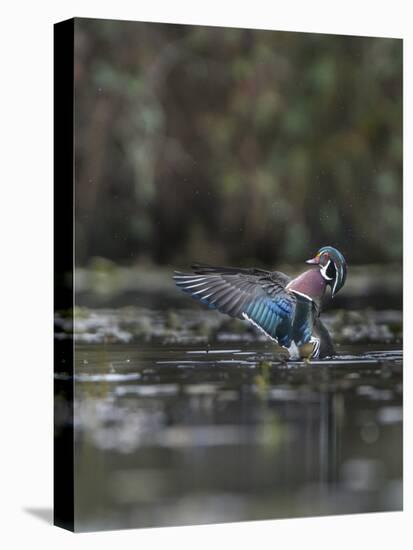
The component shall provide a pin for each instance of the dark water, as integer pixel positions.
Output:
(178, 434)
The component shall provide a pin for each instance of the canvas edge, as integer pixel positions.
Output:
(63, 230)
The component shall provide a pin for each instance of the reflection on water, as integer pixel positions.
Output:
(171, 434)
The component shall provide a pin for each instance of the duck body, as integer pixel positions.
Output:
(286, 310)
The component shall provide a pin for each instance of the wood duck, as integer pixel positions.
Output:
(284, 309)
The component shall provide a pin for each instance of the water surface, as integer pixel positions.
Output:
(178, 431)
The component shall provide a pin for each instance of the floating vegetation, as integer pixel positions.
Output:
(198, 326)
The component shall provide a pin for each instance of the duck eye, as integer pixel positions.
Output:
(331, 270)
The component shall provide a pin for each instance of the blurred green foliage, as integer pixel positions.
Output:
(236, 146)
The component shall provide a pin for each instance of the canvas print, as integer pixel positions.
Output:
(229, 335)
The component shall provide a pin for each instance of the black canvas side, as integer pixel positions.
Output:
(63, 274)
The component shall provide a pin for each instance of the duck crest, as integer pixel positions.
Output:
(310, 285)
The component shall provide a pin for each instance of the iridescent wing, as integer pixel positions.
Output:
(256, 295)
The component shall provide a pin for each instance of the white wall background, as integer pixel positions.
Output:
(26, 270)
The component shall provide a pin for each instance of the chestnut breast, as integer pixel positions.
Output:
(310, 283)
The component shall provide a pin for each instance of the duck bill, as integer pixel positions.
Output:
(313, 261)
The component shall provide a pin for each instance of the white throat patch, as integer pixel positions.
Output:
(323, 270)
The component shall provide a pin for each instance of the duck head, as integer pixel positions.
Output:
(332, 266)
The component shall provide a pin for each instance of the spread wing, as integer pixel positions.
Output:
(253, 294)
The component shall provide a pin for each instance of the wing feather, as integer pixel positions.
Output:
(253, 294)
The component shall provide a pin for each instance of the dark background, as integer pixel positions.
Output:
(247, 148)
(235, 146)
